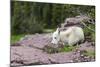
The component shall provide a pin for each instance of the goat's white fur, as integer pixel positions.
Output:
(71, 36)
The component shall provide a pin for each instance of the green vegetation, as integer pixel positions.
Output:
(34, 17)
(16, 38)
(90, 54)
(89, 33)
(67, 48)
(60, 49)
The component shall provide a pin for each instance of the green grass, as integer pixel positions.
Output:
(67, 48)
(60, 49)
(48, 30)
(15, 38)
(90, 53)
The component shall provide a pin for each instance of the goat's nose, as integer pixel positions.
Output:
(52, 42)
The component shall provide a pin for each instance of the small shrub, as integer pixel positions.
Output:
(89, 34)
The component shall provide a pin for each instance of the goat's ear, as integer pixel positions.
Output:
(58, 31)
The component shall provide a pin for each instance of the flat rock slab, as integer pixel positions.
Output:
(37, 40)
(27, 56)
(76, 20)
(64, 57)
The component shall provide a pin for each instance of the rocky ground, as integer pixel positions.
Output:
(30, 51)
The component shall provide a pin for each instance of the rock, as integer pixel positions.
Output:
(74, 21)
(26, 56)
(87, 46)
(16, 44)
(15, 64)
(37, 40)
(23, 55)
(32, 51)
(63, 57)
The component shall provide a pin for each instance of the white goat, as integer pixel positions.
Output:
(70, 36)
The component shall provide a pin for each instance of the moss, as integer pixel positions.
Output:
(67, 48)
(16, 38)
(60, 49)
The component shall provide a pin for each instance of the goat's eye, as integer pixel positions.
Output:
(55, 37)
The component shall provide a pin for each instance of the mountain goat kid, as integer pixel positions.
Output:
(71, 36)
